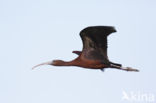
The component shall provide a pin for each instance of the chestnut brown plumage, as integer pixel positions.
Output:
(94, 52)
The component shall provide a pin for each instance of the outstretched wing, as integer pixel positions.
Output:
(95, 42)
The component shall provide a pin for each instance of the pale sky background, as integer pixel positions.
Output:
(36, 31)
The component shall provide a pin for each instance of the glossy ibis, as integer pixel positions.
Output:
(94, 52)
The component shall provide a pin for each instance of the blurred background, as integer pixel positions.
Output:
(36, 31)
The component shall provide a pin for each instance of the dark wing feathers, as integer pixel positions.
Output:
(95, 42)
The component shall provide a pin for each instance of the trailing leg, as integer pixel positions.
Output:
(124, 68)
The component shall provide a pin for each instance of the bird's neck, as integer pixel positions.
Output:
(64, 63)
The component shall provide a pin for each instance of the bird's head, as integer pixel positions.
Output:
(54, 62)
(57, 62)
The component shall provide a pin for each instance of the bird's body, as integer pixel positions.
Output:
(94, 52)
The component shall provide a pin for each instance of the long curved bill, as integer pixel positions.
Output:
(46, 63)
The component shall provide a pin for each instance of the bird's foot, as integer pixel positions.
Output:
(130, 69)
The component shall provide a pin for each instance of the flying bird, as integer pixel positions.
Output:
(94, 52)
